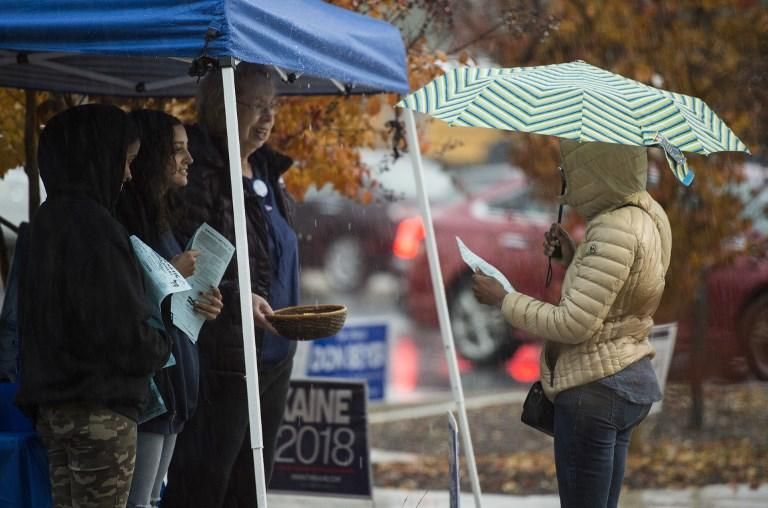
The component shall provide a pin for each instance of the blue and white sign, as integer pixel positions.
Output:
(358, 351)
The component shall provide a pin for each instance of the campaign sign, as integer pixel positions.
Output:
(453, 462)
(358, 351)
(322, 446)
(663, 340)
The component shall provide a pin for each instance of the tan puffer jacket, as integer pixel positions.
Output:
(615, 281)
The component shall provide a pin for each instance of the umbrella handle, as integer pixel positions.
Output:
(558, 252)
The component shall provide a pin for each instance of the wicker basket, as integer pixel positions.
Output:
(307, 322)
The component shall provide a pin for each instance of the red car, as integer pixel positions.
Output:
(349, 241)
(505, 225)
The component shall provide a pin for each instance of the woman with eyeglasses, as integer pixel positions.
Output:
(596, 360)
(213, 463)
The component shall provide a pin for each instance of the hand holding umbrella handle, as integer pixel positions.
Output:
(558, 252)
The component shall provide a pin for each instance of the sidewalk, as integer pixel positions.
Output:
(714, 496)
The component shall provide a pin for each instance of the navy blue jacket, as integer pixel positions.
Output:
(178, 384)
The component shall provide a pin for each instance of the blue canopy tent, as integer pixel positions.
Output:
(71, 45)
(160, 48)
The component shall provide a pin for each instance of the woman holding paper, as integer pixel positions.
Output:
(87, 353)
(149, 209)
(595, 364)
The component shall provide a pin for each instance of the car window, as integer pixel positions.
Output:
(396, 177)
(14, 196)
(757, 210)
(401, 183)
(753, 193)
(478, 179)
(522, 201)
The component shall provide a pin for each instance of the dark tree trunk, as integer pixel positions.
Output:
(30, 151)
(698, 341)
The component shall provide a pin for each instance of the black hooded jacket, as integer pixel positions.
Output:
(84, 337)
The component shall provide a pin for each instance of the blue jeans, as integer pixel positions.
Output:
(153, 455)
(593, 425)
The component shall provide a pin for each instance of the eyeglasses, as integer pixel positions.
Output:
(263, 107)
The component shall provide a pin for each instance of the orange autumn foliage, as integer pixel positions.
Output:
(324, 134)
(11, 129)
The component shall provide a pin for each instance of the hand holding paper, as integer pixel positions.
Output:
(476, 263)
(185, 262)
(215, 254)
(488, 290)
(209, 304)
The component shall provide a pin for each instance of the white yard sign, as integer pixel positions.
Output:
(663, 339)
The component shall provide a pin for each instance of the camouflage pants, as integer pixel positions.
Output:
(91, 455)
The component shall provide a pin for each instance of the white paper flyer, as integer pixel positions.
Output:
(476, 263)
(160, 278)
(215, 254)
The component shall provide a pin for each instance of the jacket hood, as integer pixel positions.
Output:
(82, 153)
(602, 176)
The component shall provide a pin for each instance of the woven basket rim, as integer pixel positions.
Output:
(309, 321)
(285, 314)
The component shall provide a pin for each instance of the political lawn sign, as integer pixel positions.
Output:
(454, 487)
(663, 339)
(358, 351)
(322, 447)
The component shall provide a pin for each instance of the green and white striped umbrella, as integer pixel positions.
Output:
(581, 102)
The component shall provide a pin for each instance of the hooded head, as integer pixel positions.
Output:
(82, 152)
(601, 176)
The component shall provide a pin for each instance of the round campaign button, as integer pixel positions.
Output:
(260, 188)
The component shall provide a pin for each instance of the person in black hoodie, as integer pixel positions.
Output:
(149, 208)
(87, 354)
(213, 463)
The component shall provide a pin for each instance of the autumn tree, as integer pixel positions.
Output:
(324, 134)
(11, 129)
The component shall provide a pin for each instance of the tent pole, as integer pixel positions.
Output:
(442, 305)
(244, 282)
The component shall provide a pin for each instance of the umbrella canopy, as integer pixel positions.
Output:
(581, 102)
(143, 47)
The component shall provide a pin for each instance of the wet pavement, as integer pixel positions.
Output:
(714, 496)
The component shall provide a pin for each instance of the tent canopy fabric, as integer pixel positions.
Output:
(316, 48)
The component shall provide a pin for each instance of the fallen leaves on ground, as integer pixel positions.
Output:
(731, 448)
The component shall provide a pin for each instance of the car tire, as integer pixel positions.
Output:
(344, 265)
(755, 333)
(480, 332)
